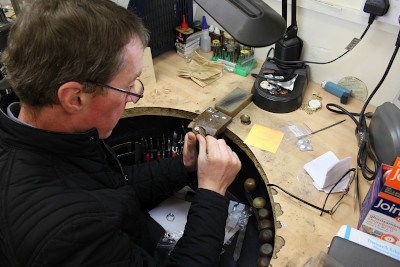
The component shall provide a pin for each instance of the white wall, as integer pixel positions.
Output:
(123, 3)
(327, 27)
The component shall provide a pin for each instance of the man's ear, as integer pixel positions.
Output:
(72, 96)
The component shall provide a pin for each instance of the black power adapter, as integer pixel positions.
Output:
(376, 7)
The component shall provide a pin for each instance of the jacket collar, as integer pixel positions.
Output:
(24, 136)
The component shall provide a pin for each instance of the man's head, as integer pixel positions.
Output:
(58, 50)
(56, 41)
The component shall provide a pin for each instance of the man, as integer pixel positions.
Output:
(64, 198)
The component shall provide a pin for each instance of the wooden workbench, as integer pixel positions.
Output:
(301, 233)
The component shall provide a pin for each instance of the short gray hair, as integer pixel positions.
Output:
(56, 41)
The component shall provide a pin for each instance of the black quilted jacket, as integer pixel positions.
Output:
(66, 201)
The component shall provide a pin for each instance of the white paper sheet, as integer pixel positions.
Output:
(178, 208)
(327, 169)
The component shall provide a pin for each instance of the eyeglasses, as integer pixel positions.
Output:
(137, 88)
(323, 210)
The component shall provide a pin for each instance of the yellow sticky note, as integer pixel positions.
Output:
(264, 138)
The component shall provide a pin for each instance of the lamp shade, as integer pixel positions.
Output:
(250, 22)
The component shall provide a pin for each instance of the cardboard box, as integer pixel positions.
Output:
(380, 212)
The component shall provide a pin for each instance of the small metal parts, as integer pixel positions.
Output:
(199, 130)
(245, 119)
(304, 145)
(259, 202)
(265, 223)
(237, 222)
(266, 249)
(263, 262)
(278, 85)
(266, 85)
(170, 217)
(263, 213)
(170, 237)
(250, 185)
(314, 104)
(210, 122)
(266, 236)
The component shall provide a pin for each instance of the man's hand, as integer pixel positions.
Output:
(190, 152)
(217, 164)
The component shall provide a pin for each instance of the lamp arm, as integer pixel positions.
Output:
(294, 8)
(250, 22)
(284, 9)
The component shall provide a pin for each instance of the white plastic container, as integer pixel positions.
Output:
(205, 39)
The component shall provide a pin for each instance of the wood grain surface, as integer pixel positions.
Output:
(301, 233)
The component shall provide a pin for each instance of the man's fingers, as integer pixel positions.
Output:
(213, 147)
(202, 144)
(190, 138)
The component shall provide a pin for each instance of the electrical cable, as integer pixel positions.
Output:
(365, 147)
(365, 150)
(338, 109)
(282, 64)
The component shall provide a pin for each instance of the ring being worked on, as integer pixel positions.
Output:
(170, 217)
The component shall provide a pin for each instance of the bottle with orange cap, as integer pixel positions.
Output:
(183, 31)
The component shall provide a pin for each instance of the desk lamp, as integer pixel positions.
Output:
(289, 78)
(250, 22)
(254, 23)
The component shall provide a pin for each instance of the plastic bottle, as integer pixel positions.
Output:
(205, 39)
(183, 31)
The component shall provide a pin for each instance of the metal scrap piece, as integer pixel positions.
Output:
(210, 122)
